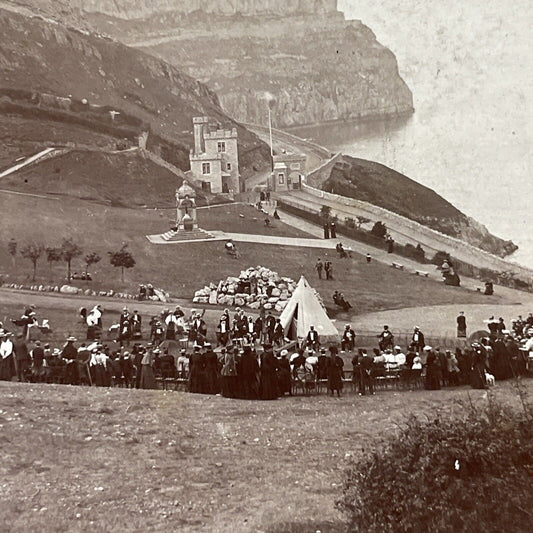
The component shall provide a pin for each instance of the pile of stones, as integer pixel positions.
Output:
(254, 287)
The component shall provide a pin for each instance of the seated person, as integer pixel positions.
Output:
(230, 247)
(340, 250)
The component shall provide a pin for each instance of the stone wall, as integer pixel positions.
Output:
(321, 174)
(427, 237)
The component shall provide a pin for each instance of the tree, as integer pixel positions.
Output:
(91, 259)
(122, 258)
(379, 229)
(69, 251)
(361, 220)
(32, 252)
(53, 255)
(325, 213)
(12, 249)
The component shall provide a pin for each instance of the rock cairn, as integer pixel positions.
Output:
(254, 287)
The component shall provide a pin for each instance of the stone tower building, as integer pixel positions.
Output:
(215, 158)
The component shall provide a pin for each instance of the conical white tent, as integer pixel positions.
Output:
(304, 310)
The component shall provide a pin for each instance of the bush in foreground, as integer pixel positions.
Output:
(460, 474)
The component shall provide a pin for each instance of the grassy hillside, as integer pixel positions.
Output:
(184, 268)
(40, 57)
(382, 186)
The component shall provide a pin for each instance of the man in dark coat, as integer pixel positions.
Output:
(278, 332)
(313, 338)
(461, 325)
(284, 374)
(366, 380)
(136, 325)
(319, 267)
(198, 331)
(196, 371)
(335, 365)
(386, 338)
(37, 356)
(211, 370)
(249, 368)
(69, 354)
(270, 323)
(269, 379)
(22, 357)
(433, 371)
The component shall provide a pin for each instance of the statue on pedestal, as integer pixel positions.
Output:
(186, 208)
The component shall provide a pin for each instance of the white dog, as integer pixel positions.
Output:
(490, 379)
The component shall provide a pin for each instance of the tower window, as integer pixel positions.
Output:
(281, 178)
(221, 146)
(206, 168)
(228, 166)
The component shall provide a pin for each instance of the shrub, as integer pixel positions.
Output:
(379, 229)
(467, 473)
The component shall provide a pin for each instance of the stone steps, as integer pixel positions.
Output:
(196, 234)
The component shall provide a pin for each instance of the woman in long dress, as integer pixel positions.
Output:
(147, 369)
(335, 365)
(269, 378)
(229, 375)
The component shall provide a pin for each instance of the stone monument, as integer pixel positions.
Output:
(186, 208)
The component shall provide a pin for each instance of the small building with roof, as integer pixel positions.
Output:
(288, 173)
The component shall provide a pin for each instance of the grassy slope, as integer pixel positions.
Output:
(82, 459)
(184, 268)
(44, 57)
(380, 185)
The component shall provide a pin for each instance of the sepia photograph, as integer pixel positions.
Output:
(266, 266)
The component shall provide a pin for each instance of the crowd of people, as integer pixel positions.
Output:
(253, 359)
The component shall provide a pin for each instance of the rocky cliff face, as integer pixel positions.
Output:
(128, 9)
(317, 66)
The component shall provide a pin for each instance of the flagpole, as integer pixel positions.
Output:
(270, 131)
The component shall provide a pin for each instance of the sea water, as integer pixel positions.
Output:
(468, 64)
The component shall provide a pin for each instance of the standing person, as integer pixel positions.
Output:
(278, 332)
(335, 365)
(328, 267)
(250, 370)
(211, 370)
(461, 325)
(333, 230)
(229, 374)
(136, 325)
(319, 266)
(69, 354)
(365, 369)
(22, 357)
(198, 329)
(37, 356)
(479, 366)
(417, 340)
(313, 338)
(284, 374)
(147, 369)
(270, 326)
(195, 371)
(326, 230)
(171, 322)
(223, 328)
(268, 376)
(368, 258)
(433, 372)
(7, 363)
(125, 332)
